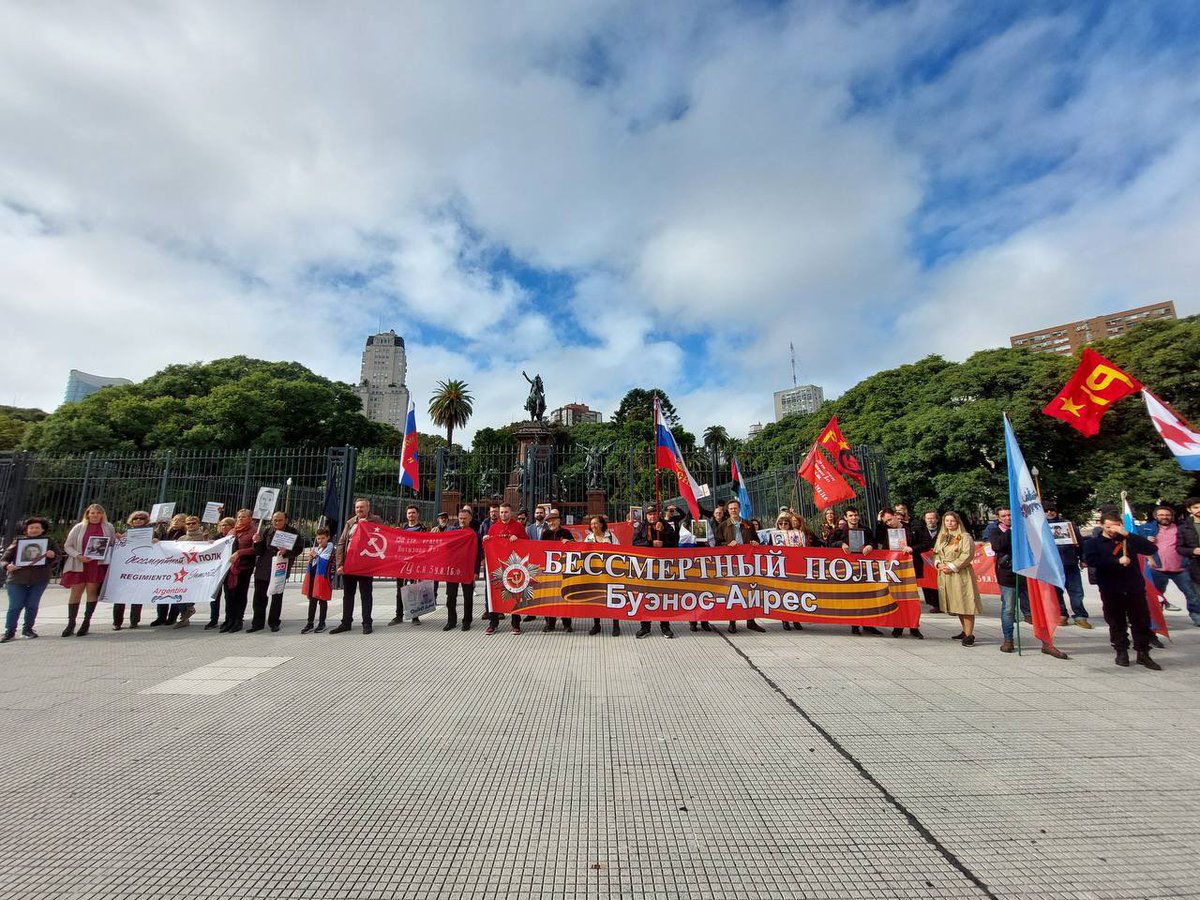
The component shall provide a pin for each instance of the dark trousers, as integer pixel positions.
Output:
(468, 593)
(235, 597)
(135, 613)
(550, 620)
(351, 584)
(931, 597)
(663, 626)
(1125, 611)
(313, 605)
(260, 605)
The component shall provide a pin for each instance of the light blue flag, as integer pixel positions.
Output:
(1034, 552)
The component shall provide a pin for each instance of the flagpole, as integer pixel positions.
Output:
(654, 415)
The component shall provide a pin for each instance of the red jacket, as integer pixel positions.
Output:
(501, 530)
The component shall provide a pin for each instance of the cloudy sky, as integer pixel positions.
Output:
(610, 193)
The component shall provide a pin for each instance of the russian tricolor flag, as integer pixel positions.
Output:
(409, 470)
(667, 456)
(1180, 439)
(743, 494)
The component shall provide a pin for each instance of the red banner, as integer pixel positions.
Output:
(793, 584)
(983, 564)
(386, 552)
(1096, 385)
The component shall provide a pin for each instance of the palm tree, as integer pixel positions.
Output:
(450, 406)
(716, 438)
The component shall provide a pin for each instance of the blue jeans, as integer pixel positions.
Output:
(1008, 609)
(23, 597)
(1074, 591)
(1183, 581)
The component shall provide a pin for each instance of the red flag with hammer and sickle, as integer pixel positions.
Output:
(1096, 385)
(839, 450)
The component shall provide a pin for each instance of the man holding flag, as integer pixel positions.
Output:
(1113, 554)
(1032, 551)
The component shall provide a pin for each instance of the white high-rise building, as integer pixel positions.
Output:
(804, 398)
(381, 384)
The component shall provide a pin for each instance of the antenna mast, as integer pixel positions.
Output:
(792, 347)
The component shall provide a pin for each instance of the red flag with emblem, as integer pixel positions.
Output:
(838, 448)
(828, 486)
(1096, 385)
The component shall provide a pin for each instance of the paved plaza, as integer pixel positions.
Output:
(415, 763)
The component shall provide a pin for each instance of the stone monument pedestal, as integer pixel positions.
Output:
(597, 502)
(530, 437)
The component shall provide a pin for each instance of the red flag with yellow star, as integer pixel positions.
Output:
(1096, 385)
(835, 443)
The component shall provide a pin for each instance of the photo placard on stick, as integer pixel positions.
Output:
(97, 548)
(856, 540)
(212, 512)
(139, 537)
(162, 512)
(264, 503)
(896, 539)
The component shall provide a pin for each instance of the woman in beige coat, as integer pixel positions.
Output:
(953, 552)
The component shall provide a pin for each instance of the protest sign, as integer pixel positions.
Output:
(166, 572)
(279, 574)
(162, 512)
(284, 540)
(791, 584)
(31, 552)
(212, 512)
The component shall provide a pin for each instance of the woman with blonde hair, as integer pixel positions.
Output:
(84, 571)
(953, 553)
(137, 519)
(829, 524)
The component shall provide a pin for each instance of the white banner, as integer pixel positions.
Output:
(166, 571)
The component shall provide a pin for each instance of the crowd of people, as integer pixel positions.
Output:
(1170, 542)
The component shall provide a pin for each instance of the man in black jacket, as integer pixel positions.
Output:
(655, 532)
(265, 556)
(1113, 554)
(555, 532)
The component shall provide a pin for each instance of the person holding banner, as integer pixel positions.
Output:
(555, 532)
(195, 533)
(27, 583)
(654, 532)
(412, 522)
(355, 583)
(267, 550)
(138, 519)
(598, 533)
(241, 568)
(851, 536)
(505, 528)
(953, 552)
(468, 587)
(892, 526)
(84, 570)
(318, 581)
(224, 527)
(168, 613)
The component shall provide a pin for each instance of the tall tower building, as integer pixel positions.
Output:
(381, 384)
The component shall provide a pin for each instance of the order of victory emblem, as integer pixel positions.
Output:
(516, 577)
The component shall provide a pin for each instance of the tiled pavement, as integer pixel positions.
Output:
(417, 763)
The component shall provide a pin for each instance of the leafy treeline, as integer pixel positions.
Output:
(14, 425)
(232, 403)
(939, 425)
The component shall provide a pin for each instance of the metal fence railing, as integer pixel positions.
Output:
(315, 482)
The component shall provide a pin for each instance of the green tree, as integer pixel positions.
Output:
(233, 403)
(716, 439)
(939, 425)
(638, 405)
(451, 406)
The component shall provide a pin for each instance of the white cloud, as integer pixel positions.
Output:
(286, 183)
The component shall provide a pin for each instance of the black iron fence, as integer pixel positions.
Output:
(317, 482)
